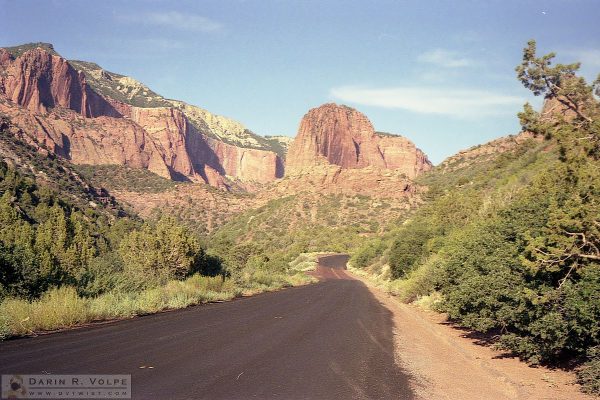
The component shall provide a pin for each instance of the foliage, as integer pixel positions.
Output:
(273, 235)
(408, 248)
(63, 307)
(576, 126)
(510, 245)
(117, 177)
(419, 283)
(160, 251)
(65, 262)
(47, 241)
(368, 252)
(305, 262)
(589, 374)
(55, 175)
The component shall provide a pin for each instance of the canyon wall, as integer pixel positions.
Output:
(339, 135)
(51, 100)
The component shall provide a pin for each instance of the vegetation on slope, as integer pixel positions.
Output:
(511, 246)
(55, 173)
(279, 144)
(270, 237)
(199, 207)
(119, 87)
(119, 177)
(16, 51)
(65, 259)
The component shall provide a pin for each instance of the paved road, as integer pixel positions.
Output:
(330, 340)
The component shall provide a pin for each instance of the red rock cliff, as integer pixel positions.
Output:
(38, 80)
(51, 101)
(340, 135)
(187, 152)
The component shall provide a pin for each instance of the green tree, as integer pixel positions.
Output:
(159, 251)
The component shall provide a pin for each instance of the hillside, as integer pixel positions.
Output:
(91, 116)
(205, 210)
(38, 164)
(122, 202)
(507, 243)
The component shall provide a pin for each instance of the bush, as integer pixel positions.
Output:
(159, 251)
(419, 283)
(589, 374)
(305, 262)
(368, 252)
(113, 305)
(4, 327)
(63, 308)
(408, 248)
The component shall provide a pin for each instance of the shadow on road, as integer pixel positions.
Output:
(329, 340)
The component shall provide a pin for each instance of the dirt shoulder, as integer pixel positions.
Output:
(447, 364)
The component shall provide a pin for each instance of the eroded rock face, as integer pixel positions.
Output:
(332, 179)
(169, 130)
(38, 80)
(97, 141)
(340, 135)
(51, 101)
(247, 164)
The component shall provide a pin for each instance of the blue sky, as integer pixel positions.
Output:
(438, 72)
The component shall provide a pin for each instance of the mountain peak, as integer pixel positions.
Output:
(16, 51)
(343, 136)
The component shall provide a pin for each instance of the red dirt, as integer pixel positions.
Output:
(448, 364)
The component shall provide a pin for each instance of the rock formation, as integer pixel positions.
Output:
(38, 80)
(91, 116)
(102, 140)
(112, 123)
(487, 151)
(340, 135)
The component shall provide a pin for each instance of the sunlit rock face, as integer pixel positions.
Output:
(53, 103)
(340, 135)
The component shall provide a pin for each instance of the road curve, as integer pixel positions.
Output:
(329, 340)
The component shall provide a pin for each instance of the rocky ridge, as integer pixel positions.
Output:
(51, 100)
(337, 151)
(87, 115)
(339, 135)
(486, 151)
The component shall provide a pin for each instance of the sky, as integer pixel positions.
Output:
(440, 73)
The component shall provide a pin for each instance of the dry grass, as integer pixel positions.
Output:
(417, 287)
(63, 308)
(305, 262)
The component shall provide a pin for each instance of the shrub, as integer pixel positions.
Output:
(589, 374)
(112, 305)
(164, 250)
(420, 282)
(408, 248)
(4, 327)
(368, 252)
(60, 308)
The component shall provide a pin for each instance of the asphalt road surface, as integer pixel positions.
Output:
(330, 340)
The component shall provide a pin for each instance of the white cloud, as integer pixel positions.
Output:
(174, 20)
(445, 58)
(460, 103)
